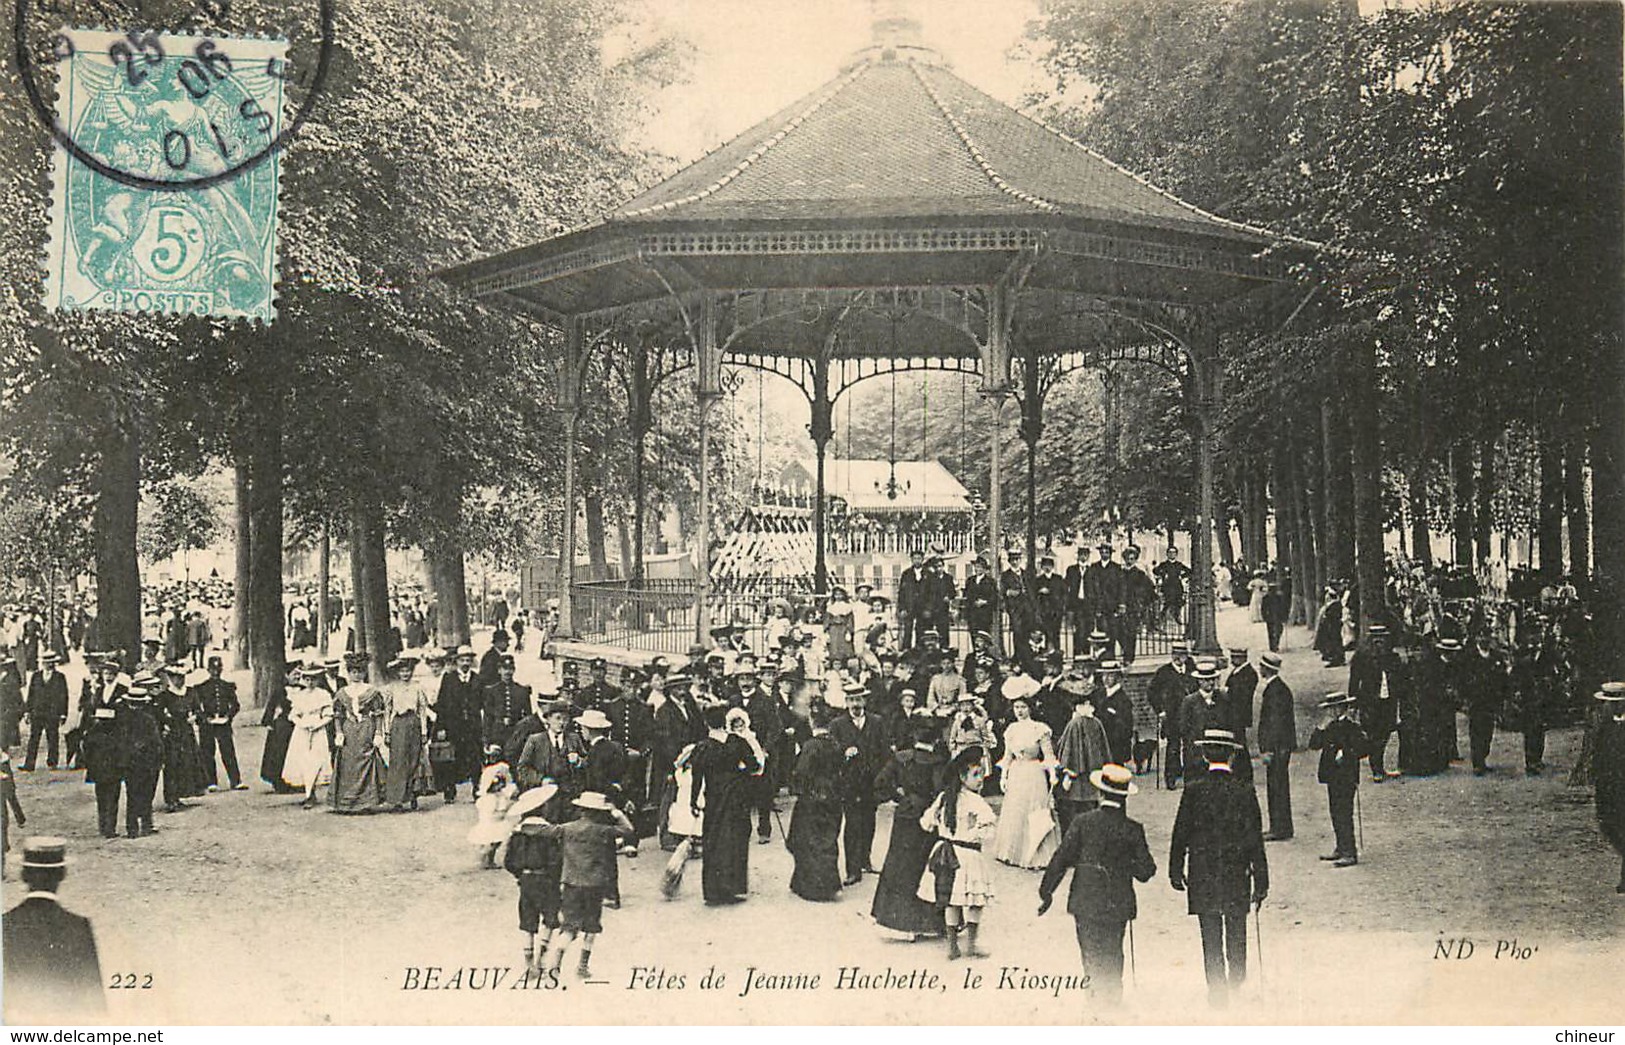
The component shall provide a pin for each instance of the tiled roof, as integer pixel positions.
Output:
(896, 138)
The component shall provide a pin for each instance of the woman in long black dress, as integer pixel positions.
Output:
(279, 734)
(815, 826)
(723, 764)
(913, 778)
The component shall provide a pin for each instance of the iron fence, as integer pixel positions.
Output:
(657, 615)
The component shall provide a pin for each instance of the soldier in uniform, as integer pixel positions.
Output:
(1216, 856)
(1341, 743)
(1106, 852)
(216, 701)
(505, 703)
(1277, 738)
(52, 971)
(1608, 760)
(598, 690)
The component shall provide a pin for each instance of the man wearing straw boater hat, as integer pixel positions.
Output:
(144, 753)
(1341, 743)
(47, 709)
(1106, 852)
(1277, 738)
(1216, 857)
(1608, 763)
(52, 972)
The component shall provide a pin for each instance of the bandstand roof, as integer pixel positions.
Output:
(897, 173)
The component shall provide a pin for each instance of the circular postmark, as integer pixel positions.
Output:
(136, 58)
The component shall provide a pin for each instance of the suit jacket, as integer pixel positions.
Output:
(47, 697)
(1139, 590)
(1277, 719)
(1341, 743)
(1196, 717)
(874, 748)
(1106, 853)
(1166, 692)
(911, 591)
(1049, 596)
(1239, 690)
(1103, 586)
(677, 725)
(1490, 684)
(52, 971)
(1072, 581)
(457, 708)
(605, 770)
(979, 595)
(541, 760)
(1217, 848)
(217, 698)
(1116, 714)
(939, 592)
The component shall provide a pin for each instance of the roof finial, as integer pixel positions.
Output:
(896, 34)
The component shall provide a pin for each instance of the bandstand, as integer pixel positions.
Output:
(895, 219)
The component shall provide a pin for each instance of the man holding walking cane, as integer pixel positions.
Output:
(1106, 852)
(1342, 743)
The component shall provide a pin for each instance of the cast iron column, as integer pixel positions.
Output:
(822, 429)
(639, 418)
(707, 392)
(1032, 427)
(1201, 626)
(570, 407)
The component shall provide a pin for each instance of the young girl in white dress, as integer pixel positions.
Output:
(496, 794)
(1027, 835)
(958, 876)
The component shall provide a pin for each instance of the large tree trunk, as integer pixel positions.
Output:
(1416, 483)
(1259, 515)
(239, 604)
(597, 552)
(1366, 465)
(324, 585)
(1461, 469)
(1574, 495)
(1485, 494)
(267, 640)
(1221, 531)
(1336, 482)
(1551, 503)
(373, 600)
(1309, 470)
(358, 583)
(118, 573)
(449, 579)
(1306, 592)
(1608, 509)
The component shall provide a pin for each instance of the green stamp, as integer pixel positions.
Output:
(192, 122)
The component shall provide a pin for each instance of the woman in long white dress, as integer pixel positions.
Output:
(1026, 834)
(309, 763)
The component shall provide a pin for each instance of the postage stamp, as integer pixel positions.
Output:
(168, 202)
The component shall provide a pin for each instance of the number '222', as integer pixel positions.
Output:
(131, 981)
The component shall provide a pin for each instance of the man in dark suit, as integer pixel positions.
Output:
(1049, 600)
(1486, 695)
(1277, 737)
(556, 753)
(1116, 712)
(1076, 608)
(940, 593)
(1103, 592)
(678, 723)
(1015, 598)
(1106, 852)
(1379, 686)
(47, 705)
(491, 663)
(1139, 602)
(1275, 608)
(505, 703)
(1216, 857)
(866, 748)
(980, 594)
(1166, 692)
(52, 972)
(457, 711)
(216, 701)
(1341, 744)
(764, 711)
(1200, 711)
(1240, 687)
(911, 600)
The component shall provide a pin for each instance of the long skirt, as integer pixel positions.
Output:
(896, 905)
(725, 867)
(275, 756)
(405, 752)
(1026, 835)
(358, 780)
(183, 763)
(814, 841)
(309, 761)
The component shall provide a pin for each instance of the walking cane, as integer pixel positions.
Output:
(1133, 965)
(1359, 819)
(1258, 934)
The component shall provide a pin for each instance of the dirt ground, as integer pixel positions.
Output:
(247, 909)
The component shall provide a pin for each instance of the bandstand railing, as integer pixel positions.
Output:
(657, 615)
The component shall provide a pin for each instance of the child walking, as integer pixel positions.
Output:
(496, 795)
(590, 844)
(957, 876)
(536, 864)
